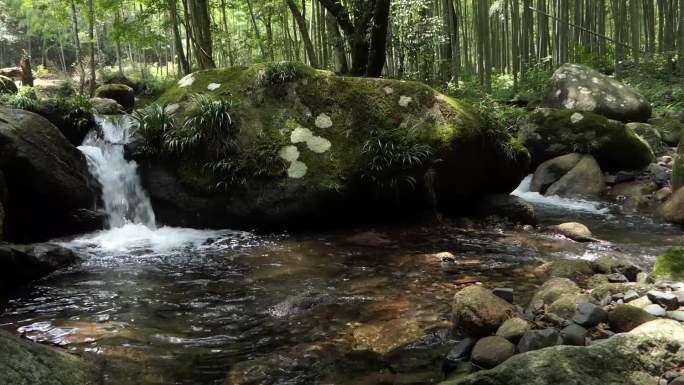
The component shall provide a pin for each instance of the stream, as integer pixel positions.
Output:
(166, 305)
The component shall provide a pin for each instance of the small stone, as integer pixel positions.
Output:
(676, 315)
(492, 351)
(630, 295)
(504, 293)
(641, 302)
(213, 86)
(655, 310)
(678, 381)
(680, 296)
(539, 339)
(460, 352)
(574, 335)
(513, 329)
(667, 300)
(617, 278)
(589, 315)
(617, 297)
(671, 375)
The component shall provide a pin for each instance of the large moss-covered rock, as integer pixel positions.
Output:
(73, 121)
(551, 133)
(7, 85)
(670, 265)
(121, 93)
(477, 312)
(673, 209)
(636, 358)
(47, 180)
(319, 148)
(28, 363)
(578, 87)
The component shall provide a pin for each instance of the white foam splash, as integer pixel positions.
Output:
(523, 191)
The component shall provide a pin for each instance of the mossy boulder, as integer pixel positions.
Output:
(477, 312)
(669, 127)
(550, 133)
(315, 147)
(670, 265)
(673, 209)
(121, 93)
(28, 363)
(7, 86)
(578, 87)
(47, 180)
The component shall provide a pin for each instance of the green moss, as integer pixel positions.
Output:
(671, 264)
(273, 99)
(607, 140)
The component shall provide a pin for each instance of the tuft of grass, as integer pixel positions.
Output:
(279, 73)
(152, 124)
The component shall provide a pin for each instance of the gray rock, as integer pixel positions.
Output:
(504, 293)
(617, 278)
(104, 106)
(579, 87)
(680, 296)
(460, 352)
(489, 352)
(655, 310)
(678, 381)
(513, 329)
(589, 315)
(634, 358)
(667, 300)
(552, 290)
(539, 339)
(574, 334)
(630, 295)
(584, 180)
(659, 174)
(552, 170)
(676, 315)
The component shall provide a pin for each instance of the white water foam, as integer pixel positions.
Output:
(523, 191)
(132, 225)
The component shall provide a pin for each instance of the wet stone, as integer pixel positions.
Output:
(630, 295)
(460, 352)
(655, 310)
(574, 335)
(513, 329)
(504, 293)
(539, 339)
(492, 351)
(617, 278)
(589, 315)
(667, 300)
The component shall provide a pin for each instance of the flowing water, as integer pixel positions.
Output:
(164, 305)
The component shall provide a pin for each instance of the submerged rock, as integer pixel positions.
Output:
(633, 358)
(578, 87)
(574, 230)
(342, 170)
(46, 178)
(28, 363)
(551, 133)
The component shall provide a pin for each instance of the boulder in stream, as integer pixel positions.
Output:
(550, 133)
(316, 148)
(578, 87)
(121, 93)
(477, 312)
(46, 178)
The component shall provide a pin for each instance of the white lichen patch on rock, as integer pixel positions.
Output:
(318, 144)
(576, 117)
(289, 153)
(404, 100)
(297, 169)
(300, 135)
(388, 90)
(213, 86)
(187, 81)
(172, 108)
(323, 121)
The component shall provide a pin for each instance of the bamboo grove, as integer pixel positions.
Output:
(431, 40)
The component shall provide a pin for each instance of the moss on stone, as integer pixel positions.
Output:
(271, 100)
(562, 132)
(671, 264)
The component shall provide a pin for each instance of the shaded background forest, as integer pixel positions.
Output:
(508, 46)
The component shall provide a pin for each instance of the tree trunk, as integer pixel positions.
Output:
(301, 23)
(201, 33)
(77, 45)
(26, 72)
(91, 36)
(341, 66)
(173, 15)
(378, 43)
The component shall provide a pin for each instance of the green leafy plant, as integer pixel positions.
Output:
(392, 156)
(25, 99)
(279, 73)
(153, 124)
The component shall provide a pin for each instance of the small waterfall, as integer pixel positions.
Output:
(125, 201)
(523, 191)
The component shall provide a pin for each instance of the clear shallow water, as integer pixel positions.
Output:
(163, 305)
